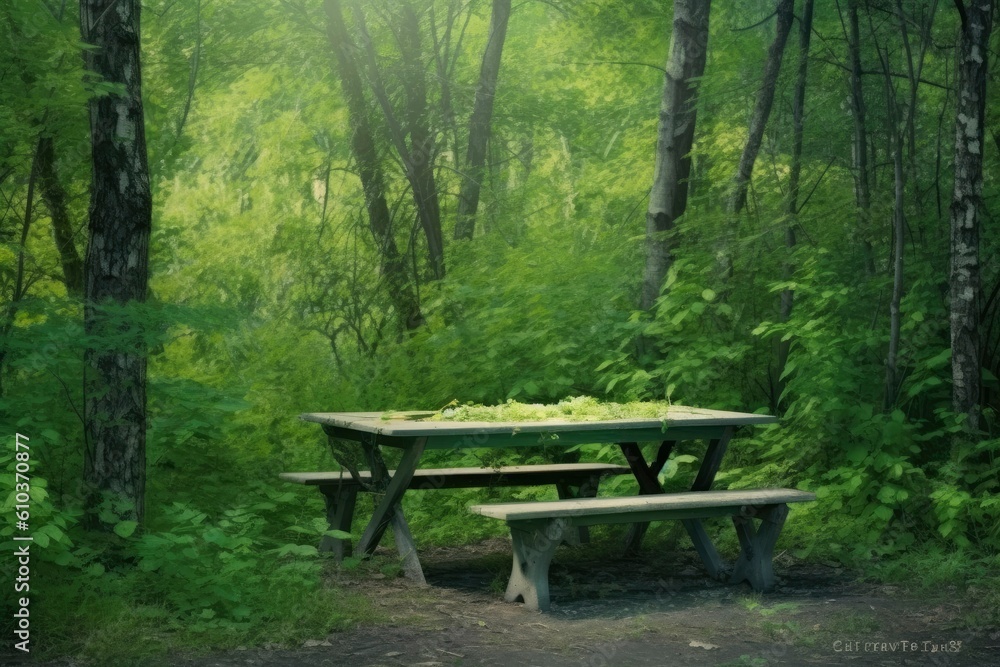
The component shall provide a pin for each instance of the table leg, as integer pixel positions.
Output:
(405, 547)
(339, 500)
(387, 508)
(703, 545)
(645, 475)
(703, 482)
(713, 459)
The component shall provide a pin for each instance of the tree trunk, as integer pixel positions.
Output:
(792, 211)
(117, 270)
(914, 71)
(20, 286)
(966, 204)
(420, 161)
(417, 157)
(392, 263)
(892, 375)
(862, 184)
(762, 107)
(54, 197)
(675, 135)
(479, 122)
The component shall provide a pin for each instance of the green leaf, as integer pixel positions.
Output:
(708, 295)
(339, 534)
(883, 512)
(125, 528)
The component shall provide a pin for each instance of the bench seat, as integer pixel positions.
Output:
(537, 528)
(340, 488)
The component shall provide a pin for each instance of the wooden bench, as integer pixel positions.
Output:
(340, 489)
(537, 528)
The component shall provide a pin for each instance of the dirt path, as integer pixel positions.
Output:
(817, 616)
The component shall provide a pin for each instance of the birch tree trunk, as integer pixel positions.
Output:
(479, 122)
(966, 204)
(668, 196)
(116, 265)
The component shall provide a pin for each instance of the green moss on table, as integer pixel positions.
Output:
(577, 408)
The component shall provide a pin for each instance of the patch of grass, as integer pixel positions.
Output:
(498, 584)
(767, 620)
(957, 575)
(118, 620)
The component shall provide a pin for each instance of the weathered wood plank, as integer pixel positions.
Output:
(676, 416)
(450, 478)
(650, 503)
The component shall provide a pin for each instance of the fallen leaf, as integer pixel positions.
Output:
(707, 647)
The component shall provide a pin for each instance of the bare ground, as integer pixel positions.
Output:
(657, 609)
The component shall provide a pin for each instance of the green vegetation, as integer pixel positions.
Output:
(577, 408)
(273, 290)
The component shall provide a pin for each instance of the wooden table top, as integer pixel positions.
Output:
(679, 420)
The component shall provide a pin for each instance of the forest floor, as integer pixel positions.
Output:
(656, 609)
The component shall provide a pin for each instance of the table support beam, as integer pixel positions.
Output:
(645, 475)
(703, 482)
(387, 509)
(713, 459)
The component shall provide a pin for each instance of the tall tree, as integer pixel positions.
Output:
(417, 156)
(480, 121)
(675, 136)
(859, 146)
(794, 178)
(762, 106)
(895, 130)
(422, 140)
(54, 195)
(967, 200)
(117, 260)
(363, 147)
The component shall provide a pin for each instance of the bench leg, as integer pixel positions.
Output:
(533, 550)
(755, 562)
(339, 501)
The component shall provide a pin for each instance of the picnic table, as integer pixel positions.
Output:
(414, 434)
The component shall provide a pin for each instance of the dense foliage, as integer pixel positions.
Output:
(270, 294)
